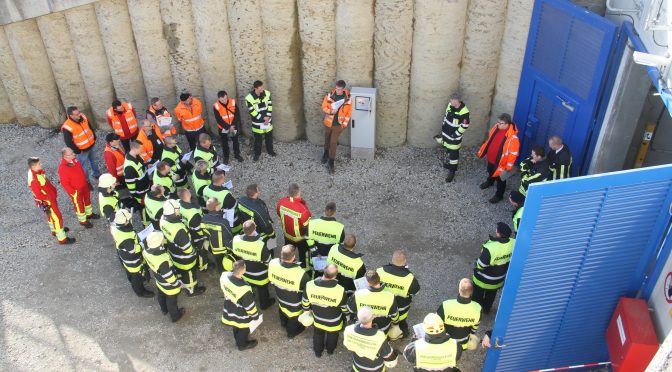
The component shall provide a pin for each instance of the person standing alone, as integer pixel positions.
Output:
(338, 108)
(455, 123)
(261, 110)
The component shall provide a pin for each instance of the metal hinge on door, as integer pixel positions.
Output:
(566, 104)
(497, 345)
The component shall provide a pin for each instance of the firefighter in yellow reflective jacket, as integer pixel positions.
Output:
(201, 178)
(179, 245)
(172, 155)
(219, 234)
(436, 351)
(350, 264)
(289, 280)
(191, 216)
(164, 176)
(517, 200)
(167, 283)
(400, 281)
(324, 232)
(239, 306)
(491, 266)
(251, 207)
(455, 123)
(380, 301)
(252, 249)
(154, 201)
(130, 252)
(227, 202)
(327, 300)
(461, 316)
(259, 104)
(370, 349)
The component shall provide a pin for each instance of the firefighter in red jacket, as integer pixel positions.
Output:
(114, 156)
(294, 215)
(74, 182)
(45, 198)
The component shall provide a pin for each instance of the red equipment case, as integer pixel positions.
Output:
(631, 339)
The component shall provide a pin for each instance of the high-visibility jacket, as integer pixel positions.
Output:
(323, 233)
(461, 316)
(82, 135)
(155, 118)
(135, 176)
(455, 123)
(154, 209)
(435, 357)
(369, 348)
(190, 117)
(200, 182)
(532, 173)
(350, 266)
(343, 113)
(490, 268)
(328, 302)
(253, 251)
(508, 153)
(289, 280)
(401, 282)
(192, 216)
(382, 304)
(227, 112)
(209, 155)
(167, 183)
(294, 215)
(178, 242)
(257, 211)
(517, 215)
(172, 157)
(114, 161)
(128, 248)
(161, 266)
(227, 202)
(218, 231)
(239, 306)
(43, 190)
(129, 116)
(149, 147)
(108, 203)
(259, 107)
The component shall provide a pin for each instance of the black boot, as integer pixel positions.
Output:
(451, 175)
(331, 166)
(325, 158)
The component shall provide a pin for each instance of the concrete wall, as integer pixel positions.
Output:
(415, 52)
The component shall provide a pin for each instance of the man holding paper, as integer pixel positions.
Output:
(240, 310)
(350, 264)
(383, 303)
(228, 123)
(337, 107)
(261, 109)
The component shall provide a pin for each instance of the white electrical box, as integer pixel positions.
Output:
(363, 123)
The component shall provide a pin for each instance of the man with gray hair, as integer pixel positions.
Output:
(370, 349)
(455, 123)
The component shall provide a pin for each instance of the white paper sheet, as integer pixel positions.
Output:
(186, 157)
(361, 283)
(142, 235)
(256, 323)
(419, 331)
(223, 167)
(319, 263)
(337, 104)
(229, 215)
(271, 244)
(266, 125)
(228, 185)
(151, 169)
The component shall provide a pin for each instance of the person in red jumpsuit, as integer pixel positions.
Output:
(45, 198)
(75, 183)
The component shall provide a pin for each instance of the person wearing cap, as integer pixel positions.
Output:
(382, 302)
(189, 112)
(455, 123)
(461, 316)
(201, 178)
(517, 200)
(172, 155)
(130, 252)
(227, 117)
(251, 207)
(114, 156)
(205, 150)
(167, 282)
(491, 266)
(327, 301)
(259, 104)
(436, 351)
(123, 120)
(135, 175)
(191, 216)
(251, 248)
(240, 308)
(76, 185)
(108, 197)
(179, 245)
(337, 107)
(289, 280)
(219, 234)
(371, 351)
(350, 264)
(402, 283)
(45, 195)
(154, 201)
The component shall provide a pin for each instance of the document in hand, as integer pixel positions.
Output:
(223, 167)
(271, 243)
(361, 283)
(256, 323)
(336, 105)
(152, 168)
(419, 331)
(228, 185)
(319, 263)
(185, 158)
(142, 235)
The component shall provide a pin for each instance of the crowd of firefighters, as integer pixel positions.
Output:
(191, 220)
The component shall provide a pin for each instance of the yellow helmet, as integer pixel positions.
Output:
(433, 325)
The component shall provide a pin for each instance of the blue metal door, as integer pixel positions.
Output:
(569, 51)
(583, 243)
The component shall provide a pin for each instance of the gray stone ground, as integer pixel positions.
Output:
(71, 308)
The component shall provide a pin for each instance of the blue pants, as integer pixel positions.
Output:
(88, 160)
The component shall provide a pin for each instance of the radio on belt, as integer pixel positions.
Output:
(631, 339)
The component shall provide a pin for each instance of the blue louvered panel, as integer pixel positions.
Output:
(581, 59)
(552, 116)
(548, 53)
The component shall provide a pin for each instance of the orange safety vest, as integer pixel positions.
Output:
(82, 135)
(227, 112)
(190, 118)
(509, 151)
(147, 145)
(343, 113)
(131, 120)
(119, 158)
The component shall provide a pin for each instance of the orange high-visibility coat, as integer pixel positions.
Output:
(343, 113)
(509, 151)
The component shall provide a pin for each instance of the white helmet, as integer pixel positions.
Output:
(171, 207)
(106, 180)
(154, 240)
(122, 217)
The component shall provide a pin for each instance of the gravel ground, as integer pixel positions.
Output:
(71, 307)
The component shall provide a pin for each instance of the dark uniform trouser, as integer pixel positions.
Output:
(225, 144)
(136, 280)
(302, 246)
(291, 324)
(241, 336)
(453, 159)
(501, 184)
(188, 276)
(168, 304)
(192, 137)
(485, 297)
(258, 137)
(203, 258)
(319, 336)
(264, 295)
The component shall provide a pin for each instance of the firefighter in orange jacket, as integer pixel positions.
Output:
(501, 150)
(80, 137)
(45, 198)
(151, 139)
(228, 122)
(124, 122)
(337, 107)
(114, 156)
(74, 182)
(189, 112)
